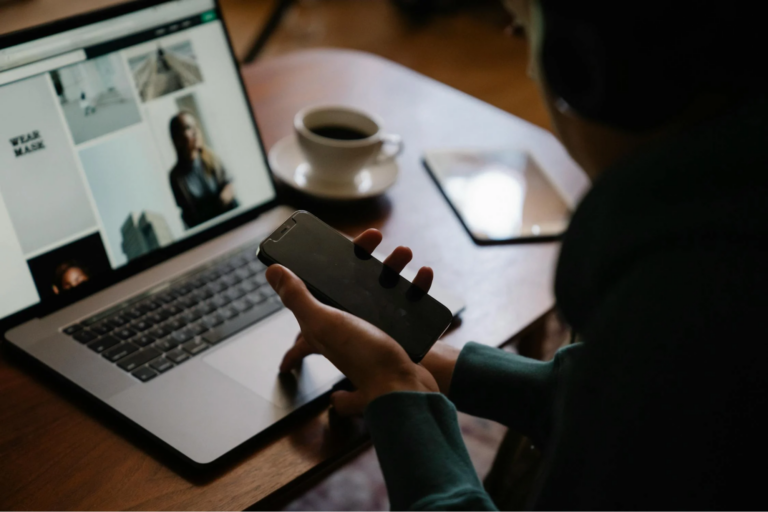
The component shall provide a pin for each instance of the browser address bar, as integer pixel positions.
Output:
(41, 66)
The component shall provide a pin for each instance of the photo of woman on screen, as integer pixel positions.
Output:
(200, 185)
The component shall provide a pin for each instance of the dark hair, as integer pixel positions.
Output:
(637, 67)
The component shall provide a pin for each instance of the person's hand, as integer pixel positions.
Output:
(227, 194)
(374, 362)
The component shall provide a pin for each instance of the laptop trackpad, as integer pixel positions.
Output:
(252, 358)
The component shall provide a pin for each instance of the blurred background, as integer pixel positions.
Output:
(468, 44)
(471, 45)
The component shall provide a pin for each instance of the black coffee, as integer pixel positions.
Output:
(339, 132)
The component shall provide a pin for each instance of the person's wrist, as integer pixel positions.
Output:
(440, 361)
(417, 381)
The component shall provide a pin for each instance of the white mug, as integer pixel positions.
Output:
(337, 159)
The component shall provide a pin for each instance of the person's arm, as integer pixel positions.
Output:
(510, 389)
(422, 454)
(513, 390)
(413, 426)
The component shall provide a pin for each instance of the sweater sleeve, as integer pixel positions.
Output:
(515, 391)
(422, 454)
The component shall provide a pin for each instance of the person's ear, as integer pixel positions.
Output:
(574, 66)
(55, 289)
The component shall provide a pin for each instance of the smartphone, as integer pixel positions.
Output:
(342, 275)
(500, 196)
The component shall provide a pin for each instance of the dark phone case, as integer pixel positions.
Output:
(356, 282)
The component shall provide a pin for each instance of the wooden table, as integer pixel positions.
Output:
(59, 450)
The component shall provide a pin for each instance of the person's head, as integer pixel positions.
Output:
(615, 75)
(186, 136)
(67, 275)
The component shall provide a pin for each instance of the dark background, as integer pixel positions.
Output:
(88, 251)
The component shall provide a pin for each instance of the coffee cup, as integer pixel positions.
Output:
(337, 142)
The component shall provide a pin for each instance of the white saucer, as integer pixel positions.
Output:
(289, 166)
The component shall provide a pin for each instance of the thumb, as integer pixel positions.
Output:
(292, 291)
(348, 403)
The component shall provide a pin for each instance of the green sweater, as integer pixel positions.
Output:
(663, 274)
(417, 436)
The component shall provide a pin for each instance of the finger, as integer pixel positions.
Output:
(293, 293)
(424, 278)
(348, 403)
(293, 357)
(399, 258)
(368, 240)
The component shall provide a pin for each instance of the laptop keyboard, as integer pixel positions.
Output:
(159, 330)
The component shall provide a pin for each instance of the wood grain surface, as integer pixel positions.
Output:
(59, 450)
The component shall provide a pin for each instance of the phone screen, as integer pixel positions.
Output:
(342, 275)
(499, 196)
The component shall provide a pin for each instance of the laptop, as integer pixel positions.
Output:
(134, 190)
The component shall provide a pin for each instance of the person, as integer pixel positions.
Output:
(86, 105)
(68, 275)
(661, 274)
(200, 184)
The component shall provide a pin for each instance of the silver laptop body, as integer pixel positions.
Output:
(98, 200)
(133, 191)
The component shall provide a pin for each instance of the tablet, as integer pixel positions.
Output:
(500, 196)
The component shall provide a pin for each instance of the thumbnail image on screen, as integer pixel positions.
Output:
(96, 97)
(165, 70)
(200, 183)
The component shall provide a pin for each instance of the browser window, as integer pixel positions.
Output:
(118, 139)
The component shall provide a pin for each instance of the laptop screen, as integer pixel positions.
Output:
(118, 139)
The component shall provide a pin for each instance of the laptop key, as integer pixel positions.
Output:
(217, 286)
(102, 328)
(220, 300)
(183, 335)
(143, 340)
(195, 346)
(174, 324)
(133, 313)
(85, 336)
(191, 316)
(213, 320)
(173, 309)
(161, 365)
(118, 352)
(166, 344)
(204, 293)
(178, 356)
(159, 332)
(158, 316)
(118, 321)
(231, 279)
(103, 343)
(199, 329)
(241, 322)
(145, 374)
(205, 308)
(142, 325)
(182, 289)
(248, 286)
(229, 312)
(125, 333)
(234, 293)
(189, 301)
(243, 305)
(140, 358)
(72, 329)
(165, 298)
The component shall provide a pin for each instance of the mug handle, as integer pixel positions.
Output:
(392, 140)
